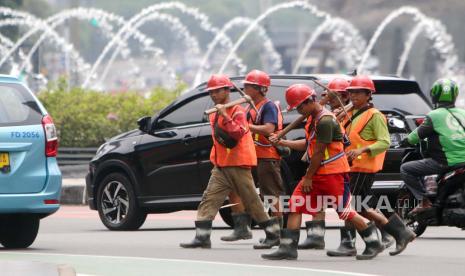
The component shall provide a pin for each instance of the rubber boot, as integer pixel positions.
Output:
(241, 230)
(281, 227)
(373, 245)
(272, 230)
(400, 232)
(347, 246)
(203, 230)
(315, 235)
(287, 247)
(386, 239)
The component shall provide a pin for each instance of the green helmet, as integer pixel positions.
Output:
(444, 91)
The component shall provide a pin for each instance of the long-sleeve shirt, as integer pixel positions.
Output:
(236, 126)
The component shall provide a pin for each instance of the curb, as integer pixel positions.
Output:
(73, 191)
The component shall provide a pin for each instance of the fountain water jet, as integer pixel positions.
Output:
(294, 4)
(240, 21)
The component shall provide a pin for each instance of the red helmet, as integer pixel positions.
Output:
(362, 82)
(257, 77)
(338, 85)
(297, 94)
(217, 81)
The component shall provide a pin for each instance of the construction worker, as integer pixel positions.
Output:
(233, 155)
(261, 125)
(444, 129)
(326, 176)
(369, 137)
(339, 86)
(316, 228)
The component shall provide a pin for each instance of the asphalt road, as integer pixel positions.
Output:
(76, 237)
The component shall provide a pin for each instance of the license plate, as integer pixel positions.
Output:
(4, 162)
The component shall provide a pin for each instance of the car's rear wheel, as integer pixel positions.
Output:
(117, 205)
(19, 231)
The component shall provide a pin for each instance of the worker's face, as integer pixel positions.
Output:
(359, 97)
(334, 102)
(306, 107)
(252, 90)
(219, 96)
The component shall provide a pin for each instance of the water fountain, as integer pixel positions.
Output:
(436, 32)
(350, 48)
(273, 55)
(22, 18)
(345, 36)
(313, 10)
(204, 23)
(176, 27)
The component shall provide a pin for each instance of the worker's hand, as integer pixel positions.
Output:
(221, 110)
(352, 154)
(337, 111)
(273, 138)
(307, 185)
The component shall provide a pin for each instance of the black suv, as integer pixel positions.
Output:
(164, 165)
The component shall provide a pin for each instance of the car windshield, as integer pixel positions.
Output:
(17, 106)
(409, 104)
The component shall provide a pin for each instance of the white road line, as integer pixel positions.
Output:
(192, 261)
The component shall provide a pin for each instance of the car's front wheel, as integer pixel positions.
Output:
(117, 205)
(18, 231)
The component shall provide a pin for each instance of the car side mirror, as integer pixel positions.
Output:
(144, 123)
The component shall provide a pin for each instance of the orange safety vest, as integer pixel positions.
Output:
(364, 163)
(335, 159)
(263, 147)
(242, 155)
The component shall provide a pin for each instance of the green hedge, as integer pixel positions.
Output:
(86, 118)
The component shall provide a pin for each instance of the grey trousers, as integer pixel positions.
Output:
(412, 174)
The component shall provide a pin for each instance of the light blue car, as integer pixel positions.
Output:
(30, 180)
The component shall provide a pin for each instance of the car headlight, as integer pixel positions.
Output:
(100, 149)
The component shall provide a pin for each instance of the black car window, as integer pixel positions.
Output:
(17, 106)
(409, 104)
(187, 113)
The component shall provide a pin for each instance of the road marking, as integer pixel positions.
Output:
(297, 269)
(83, 212)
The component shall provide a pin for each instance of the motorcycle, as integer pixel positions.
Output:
(446, 191)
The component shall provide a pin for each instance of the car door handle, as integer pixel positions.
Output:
(165, 134)
(187, 139)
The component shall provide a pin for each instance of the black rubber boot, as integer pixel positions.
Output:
(287, 248)
(241, 230)
(272, 230)
(281, 227)
(315, 235)
(203, 230)
(400, 232)
(386, 239)
(347, 246)
(373, 245)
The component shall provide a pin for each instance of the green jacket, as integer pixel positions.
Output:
(444, 134)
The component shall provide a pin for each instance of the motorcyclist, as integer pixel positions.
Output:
(444, 129)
